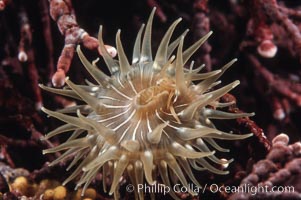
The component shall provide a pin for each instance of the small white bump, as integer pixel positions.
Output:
(22, 56)
(225, 164)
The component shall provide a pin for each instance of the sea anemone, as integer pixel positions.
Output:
(147, 120)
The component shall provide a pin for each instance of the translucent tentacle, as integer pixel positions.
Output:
(181, 87)
(161, 55)
(66, 118)
(89, 99)
(110, 62)
(164, 174)
(97, 74)
(146, 49)
(59, 130)
(120, 167)
(64, 92)
(204, 85)
(137, 46)
(147, 160)
(217, 114)
(190, 51)
(178, 150)
(123, 61)
(175, 43)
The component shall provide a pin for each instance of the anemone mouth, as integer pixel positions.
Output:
(148, 100)
(155, 95)
(147, 119)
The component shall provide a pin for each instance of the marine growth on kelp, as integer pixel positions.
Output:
(147, 119)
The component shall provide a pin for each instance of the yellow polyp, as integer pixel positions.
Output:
(59, 193)
(48, 194)
(20, 185)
